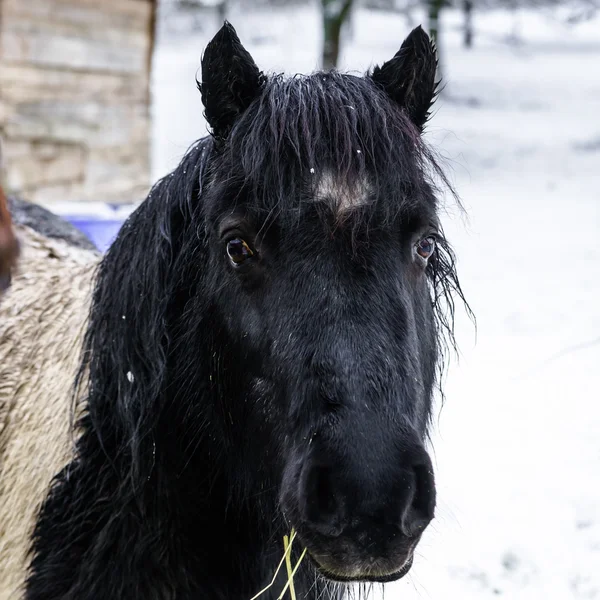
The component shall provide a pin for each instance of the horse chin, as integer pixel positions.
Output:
(361, 574)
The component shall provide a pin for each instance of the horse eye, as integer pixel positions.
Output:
(425, 247)
(238, 251)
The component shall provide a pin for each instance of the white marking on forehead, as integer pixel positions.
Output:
(340, 193)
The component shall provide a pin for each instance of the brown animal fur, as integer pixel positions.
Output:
(9, 245)
(42, 320)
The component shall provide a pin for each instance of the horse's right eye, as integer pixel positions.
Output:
(238, 251)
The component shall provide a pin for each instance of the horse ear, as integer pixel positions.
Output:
(409, 77)
(230, 80)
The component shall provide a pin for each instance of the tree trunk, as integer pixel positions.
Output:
(222, 12)
(468, 8)
(435, 8)
(335, 12)
(348, 27)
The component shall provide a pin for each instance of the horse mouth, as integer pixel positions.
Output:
(361, 573)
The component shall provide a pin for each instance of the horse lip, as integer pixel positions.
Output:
(363, 577)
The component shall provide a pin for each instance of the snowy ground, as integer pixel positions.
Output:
(517, 445)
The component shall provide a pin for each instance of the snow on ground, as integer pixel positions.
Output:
(517, 444)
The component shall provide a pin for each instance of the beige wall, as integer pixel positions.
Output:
(74, 98)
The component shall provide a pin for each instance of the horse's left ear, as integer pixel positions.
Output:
(409, 77)
(230, 80)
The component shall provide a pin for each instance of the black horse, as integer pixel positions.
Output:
(264, 342)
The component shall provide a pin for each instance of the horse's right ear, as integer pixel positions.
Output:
(409, 77)
(230, 81)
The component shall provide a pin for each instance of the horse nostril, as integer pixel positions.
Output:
(322, 506)
(422, 506)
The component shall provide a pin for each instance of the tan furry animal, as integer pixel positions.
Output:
(42, 322)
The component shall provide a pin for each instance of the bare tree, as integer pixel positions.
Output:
(434, 8)
(468, 26)
(335, 13)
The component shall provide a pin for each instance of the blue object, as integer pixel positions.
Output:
(101, 232)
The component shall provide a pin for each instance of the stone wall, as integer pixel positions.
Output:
(75, 98)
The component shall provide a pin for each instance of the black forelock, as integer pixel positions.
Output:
(303, 126)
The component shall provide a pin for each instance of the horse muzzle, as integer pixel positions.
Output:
(360, 519)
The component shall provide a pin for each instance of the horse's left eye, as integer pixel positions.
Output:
(238, 251)
(425, 247)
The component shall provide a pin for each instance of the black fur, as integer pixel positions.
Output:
(47, 223)
(211, 388)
